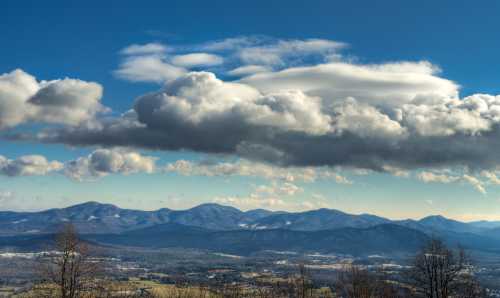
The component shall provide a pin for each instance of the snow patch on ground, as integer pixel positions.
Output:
(227, 255)
(19, 221)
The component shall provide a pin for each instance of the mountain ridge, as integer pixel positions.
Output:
(228, 229)
(109, 218)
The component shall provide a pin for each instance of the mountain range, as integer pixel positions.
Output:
(227, 229)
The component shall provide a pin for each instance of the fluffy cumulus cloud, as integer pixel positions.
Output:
(296, 103)
(365, 121)
(99, 163)
(16, 88)
(28, 165)
(200, 112)
(472, 115)
(67, 101)
(103, 162)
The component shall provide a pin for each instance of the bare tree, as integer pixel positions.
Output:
(70, 269)
(357, 282)
(439, 272)
(354, 282)
(303, 282)
(469, 287)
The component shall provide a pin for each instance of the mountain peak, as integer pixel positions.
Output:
(435, 218)
(325, 211)
(214, 206)
(91, 205)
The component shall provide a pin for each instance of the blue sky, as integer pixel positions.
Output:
(390, 76)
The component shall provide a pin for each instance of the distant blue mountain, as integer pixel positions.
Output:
(438, 223)
(223, 228)
(485, 224)
(321, 219)
(385, 238)
(93, 217)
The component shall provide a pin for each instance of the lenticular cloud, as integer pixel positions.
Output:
(399, 115)
(429, 126)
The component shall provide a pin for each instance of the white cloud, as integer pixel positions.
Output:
(440, 178)
(471, 115)
(476, 183)
(196, 60)
(198, 101)
(103, 162)
(274, 197)
(365, 121)
(147, 63)
(279, 189)
(292, 110)
(145, 49)
(67, 101)
(28, 165)
(248, 70)
(276, 53)
(491, 176)
(385, 85)
(254, 169)
(149, 68)
(155, 62)
(302, 112)
(16, 88)
(99, 163)
(252, 201)
(230, 44)
(409, 123)
(395, 171)
(446, 178)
